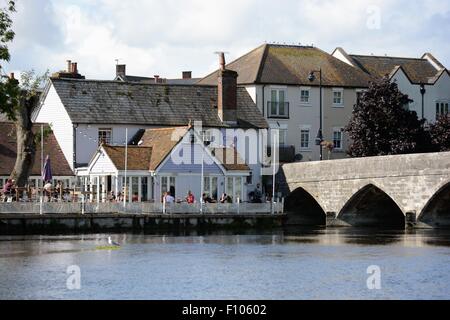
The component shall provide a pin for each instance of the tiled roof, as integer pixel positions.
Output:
(138, 157)
(417, 70)
(230, 159)
(8, 152)
(162, 141)
(116, 102)
(291, 65)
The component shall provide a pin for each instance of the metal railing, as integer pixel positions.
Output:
(277, 110)
(77, 208)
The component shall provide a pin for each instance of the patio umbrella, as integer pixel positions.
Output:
(47, 171)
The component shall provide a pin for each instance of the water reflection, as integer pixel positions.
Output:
(297, 263)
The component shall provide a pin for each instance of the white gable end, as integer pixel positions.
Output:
(54, 113)
(102, 164)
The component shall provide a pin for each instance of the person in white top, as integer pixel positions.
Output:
(168, 198)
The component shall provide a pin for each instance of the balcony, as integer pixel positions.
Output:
(277, 110)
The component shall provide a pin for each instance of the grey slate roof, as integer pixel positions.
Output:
(117, 102)
(418, 70)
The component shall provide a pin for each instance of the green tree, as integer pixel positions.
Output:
(17, 101)
(440, 133)
(382, 125)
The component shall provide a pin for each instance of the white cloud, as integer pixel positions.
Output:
(166, 37)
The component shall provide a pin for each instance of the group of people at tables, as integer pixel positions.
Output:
(11, 193)
(168, 198)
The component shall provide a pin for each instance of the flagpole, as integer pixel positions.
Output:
(126, 165)
(274, 158)
(42, 171)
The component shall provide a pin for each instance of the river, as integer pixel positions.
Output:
(276, 265)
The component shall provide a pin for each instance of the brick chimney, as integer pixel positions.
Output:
(121, 70)
(227, 91)
(187, 74)
(70, 73)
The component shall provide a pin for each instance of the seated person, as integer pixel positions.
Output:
(190, 198)
(168, 198)
(207, 199)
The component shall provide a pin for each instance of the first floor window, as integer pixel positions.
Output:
(304, 138)
(337, 139)
(104, 136)
(337, 98)
(304, 96)
(441, 109)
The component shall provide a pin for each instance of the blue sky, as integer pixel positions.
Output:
(167, 37)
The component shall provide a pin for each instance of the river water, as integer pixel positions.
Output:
(278, 265)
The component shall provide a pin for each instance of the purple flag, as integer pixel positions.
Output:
(47, 172)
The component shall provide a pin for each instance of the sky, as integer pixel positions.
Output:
(156, 37)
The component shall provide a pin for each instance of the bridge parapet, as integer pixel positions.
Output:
(410, 181)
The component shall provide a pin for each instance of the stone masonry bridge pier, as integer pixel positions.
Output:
(389, 191)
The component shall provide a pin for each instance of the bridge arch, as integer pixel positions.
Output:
(303, 209)
(371, 206)
(437, 211)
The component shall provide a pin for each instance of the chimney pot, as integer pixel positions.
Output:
(69, 66)
(187, 74)
(222, 60)
(75, 68)
(11, 76)
(156, 78)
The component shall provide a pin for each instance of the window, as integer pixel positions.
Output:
(359, 95)
(105, 136)
(210, 187)
(250, 178)
(168, 185)
(234, 188)
(304, 138)
(337, 138)
(338, 99)
(304, 96)
(283, 137)
(278, 107)
(441, 109)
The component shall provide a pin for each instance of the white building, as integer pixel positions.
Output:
(155, 167)
(85, 113)
(411, 75)
(277, 78)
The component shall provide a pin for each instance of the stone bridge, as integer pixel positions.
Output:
(389, 191)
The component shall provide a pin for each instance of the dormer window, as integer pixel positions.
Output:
(105, 136)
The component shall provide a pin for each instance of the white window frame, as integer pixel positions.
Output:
(234, 178)
(305, 128)
(441, 105)
(110, 130)
(339, 130)
(277, 101)
(169, 178)
(308, 102)
(341, 103)
(208, 186)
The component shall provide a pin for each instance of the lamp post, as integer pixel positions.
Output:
(422, 92)
(319, 139)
